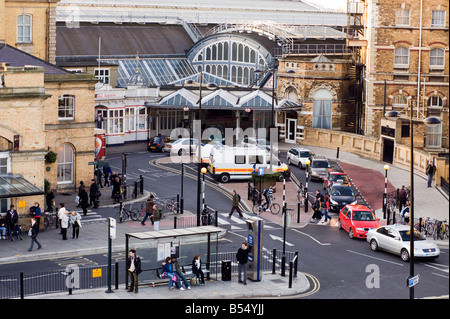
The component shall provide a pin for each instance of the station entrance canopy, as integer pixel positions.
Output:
(17, 186)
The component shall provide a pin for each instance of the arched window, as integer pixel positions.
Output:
(435, 101)
(437, 58)
(322, 109)
(291, 94)
(400, 101)
(65, 164)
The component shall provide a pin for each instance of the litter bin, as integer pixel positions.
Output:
(226, 270)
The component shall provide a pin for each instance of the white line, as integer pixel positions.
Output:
(322, 244)
(361, 254)
(439, 275)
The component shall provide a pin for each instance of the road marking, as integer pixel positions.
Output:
(322, 244)
(280, 239)
(380, 259)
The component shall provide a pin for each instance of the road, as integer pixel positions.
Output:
(344, 268)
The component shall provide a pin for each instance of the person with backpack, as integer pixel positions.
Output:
(236, 200)
(268, 193)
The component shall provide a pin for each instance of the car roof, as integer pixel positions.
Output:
(300, 149)
(358, 207)
(338, 173)
(398, 227)
(319, 158)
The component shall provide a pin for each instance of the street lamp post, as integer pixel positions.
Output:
(307, 162)
(429, 121)
(386, 168)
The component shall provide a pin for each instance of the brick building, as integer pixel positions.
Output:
(404, 47)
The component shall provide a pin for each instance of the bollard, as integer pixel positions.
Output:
(116, 277)
(274, 260)
(174, 222)
(337, 153)
(22, 288)
(290, 274)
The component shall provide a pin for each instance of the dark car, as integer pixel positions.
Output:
(340, 196)
(157, 143)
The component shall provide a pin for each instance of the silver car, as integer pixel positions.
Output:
(298, 156)
(395, 239)
(318, 169)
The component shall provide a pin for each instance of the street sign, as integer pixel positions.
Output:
(412, 281)
(260, 171)
(112, 228)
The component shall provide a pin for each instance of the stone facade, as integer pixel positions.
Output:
(43, 28)
(408, 49)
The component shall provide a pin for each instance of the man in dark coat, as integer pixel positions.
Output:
(93, 194)
(134, 269)
(242, 258)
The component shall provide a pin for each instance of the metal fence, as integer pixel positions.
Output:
(56, 281)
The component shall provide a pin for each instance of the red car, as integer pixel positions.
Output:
(336, 177)
(357, 220)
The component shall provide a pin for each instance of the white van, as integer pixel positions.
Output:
(228, 163)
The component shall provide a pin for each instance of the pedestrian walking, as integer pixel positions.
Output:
(326, 208)
(84, 201)
(242, 258)
(156, 216)
(134, 269)
(149, 203)
(75, 221)
(94, 194)
(61, 212)
(106, 173)
(404, 213)
(431, 169)
(402, 197)
(34, 231)
(179, 273)
(197, 269)
(80, 189)
(317, 206)
(236, 200)
(36, 212)
(116, 189)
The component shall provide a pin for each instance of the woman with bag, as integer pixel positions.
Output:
(326, 208)
(75, 220)
(197, 269)
(167, 271)
(33, 233)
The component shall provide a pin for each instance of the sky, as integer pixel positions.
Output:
(333, 4)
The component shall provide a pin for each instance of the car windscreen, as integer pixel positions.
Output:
(363, 215)
(305, 154)
(405, 235)
(157, 139)
(320, 164)
(342, 191)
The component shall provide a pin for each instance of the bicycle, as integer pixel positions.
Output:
(125, 213)
(50, 219)
(273, 207)
(208, 218)
(170, 205)
(141, 212)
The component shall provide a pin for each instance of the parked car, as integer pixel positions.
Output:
(338, 177)
(298, 156)
(319, 167)
(181, 146)
(341, 195)
(157, 143)
(396, 239)
(357, 220)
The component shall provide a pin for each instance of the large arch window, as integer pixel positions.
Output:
(65, 164)
(322, 109)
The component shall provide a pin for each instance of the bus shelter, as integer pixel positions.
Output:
(153, 247)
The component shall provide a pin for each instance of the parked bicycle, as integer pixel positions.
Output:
(124, 213)
(50, 219)
(273, 207)
(141, 212)
(207, 218)
(170, 205)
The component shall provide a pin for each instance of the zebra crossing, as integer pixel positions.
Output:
(91, 217)
(236, 222)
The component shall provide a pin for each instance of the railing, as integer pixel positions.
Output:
(63, 280)
(444, 185)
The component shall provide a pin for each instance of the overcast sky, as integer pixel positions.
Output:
(334, 4)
